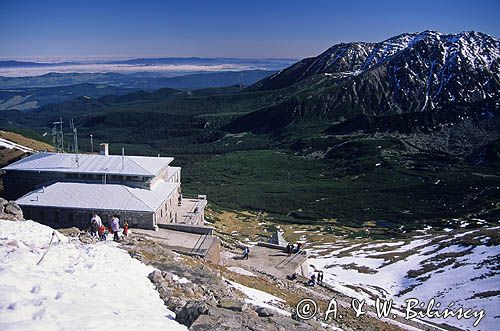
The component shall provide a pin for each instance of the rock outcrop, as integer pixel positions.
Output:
(10, 210)
(201, 298)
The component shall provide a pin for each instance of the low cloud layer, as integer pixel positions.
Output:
(125, 68)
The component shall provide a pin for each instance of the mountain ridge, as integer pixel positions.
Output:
(407, 73)
(365, 55)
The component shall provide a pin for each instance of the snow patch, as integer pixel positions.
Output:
(76, 286)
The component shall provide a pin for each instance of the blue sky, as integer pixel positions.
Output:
(251, 29)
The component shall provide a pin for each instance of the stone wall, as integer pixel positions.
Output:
(187, 228)
(66, 217)
(213, 254)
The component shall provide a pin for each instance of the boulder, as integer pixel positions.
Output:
(8, 217)
(13, 208)
(86, 238)
(233, 305)
(174, 303)
(264, 312)
(190, 312)
(156, 277)
(168, 276)
(70, 232)
(164, 290)
(13, 243)
(3, 203)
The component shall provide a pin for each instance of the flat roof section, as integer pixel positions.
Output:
(100, 196)
(92, 163)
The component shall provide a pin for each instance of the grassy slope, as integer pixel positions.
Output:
(295, 189)
(283, 173)
(28, 142)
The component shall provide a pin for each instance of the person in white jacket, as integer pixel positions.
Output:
(95, 224)
(115, 227)
(97, 219)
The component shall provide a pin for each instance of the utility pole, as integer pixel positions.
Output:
(62, 135)
(75, 137)
(58, 136)
(91, 145)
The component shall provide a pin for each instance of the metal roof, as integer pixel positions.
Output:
(91, 163)
(100, 196)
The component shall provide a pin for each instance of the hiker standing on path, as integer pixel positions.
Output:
(320, 277)
(93, 229)
(115, 227)
(246, 252)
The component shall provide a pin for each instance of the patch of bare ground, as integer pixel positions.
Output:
(8, 156)
(485, 295)
(429, 267)
(353, 266)
(21, 140)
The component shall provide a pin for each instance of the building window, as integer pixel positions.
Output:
(129, 178)
(71, 216)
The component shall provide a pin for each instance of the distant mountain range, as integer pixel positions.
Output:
(29, 93)
(411, 72)
(23, 64)
(270, 63)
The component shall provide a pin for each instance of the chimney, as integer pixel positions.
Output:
(104, 149)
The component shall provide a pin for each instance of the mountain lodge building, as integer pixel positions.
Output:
(63, 190)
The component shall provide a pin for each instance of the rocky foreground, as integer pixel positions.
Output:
(206, 296)
(203, 295)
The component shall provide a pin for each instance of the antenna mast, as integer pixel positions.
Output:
(75, 138)
(58, 136)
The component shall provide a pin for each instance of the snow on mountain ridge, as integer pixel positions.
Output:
(464, 51)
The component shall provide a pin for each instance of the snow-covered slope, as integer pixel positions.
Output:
(450, 267)
(468, 49)
(75, 287)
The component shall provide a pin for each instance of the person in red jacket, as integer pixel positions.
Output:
(102, 230)
(125, 229)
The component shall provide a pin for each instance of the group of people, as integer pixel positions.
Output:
(291, 248)
(315, 279)
(312, 281)
(100, 232)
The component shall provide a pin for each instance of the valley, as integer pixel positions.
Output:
(313, 145)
